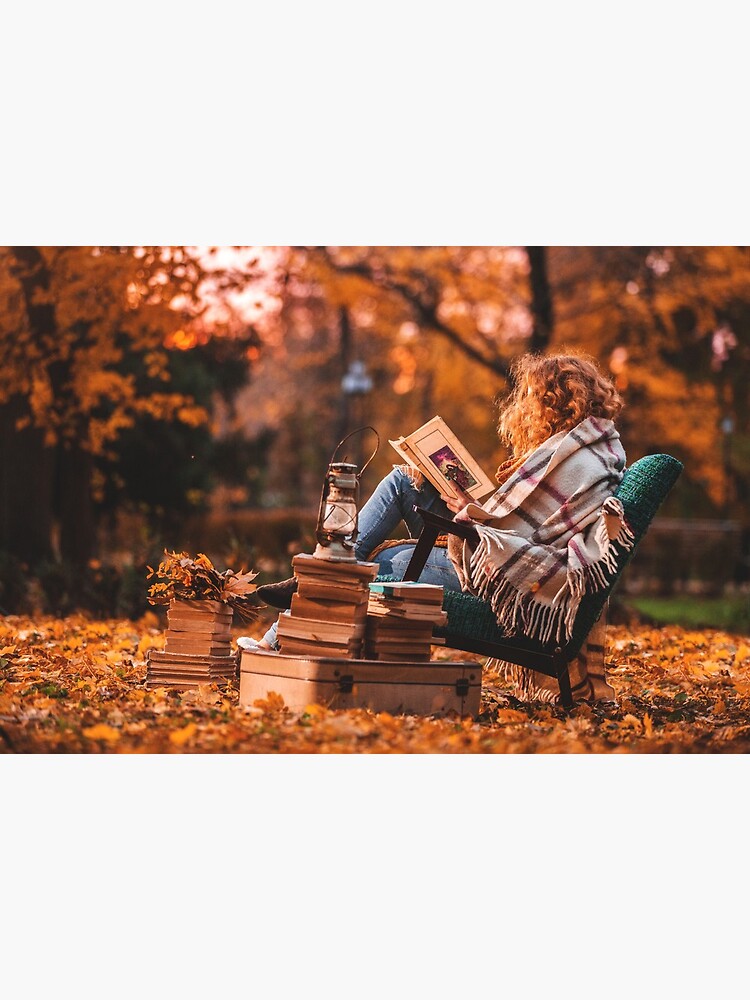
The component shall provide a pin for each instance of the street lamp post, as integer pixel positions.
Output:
(727, 427)
(356, 381)
(355, 384)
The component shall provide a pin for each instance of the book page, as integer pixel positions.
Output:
(399, 447)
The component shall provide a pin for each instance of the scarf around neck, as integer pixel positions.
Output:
(547, 535)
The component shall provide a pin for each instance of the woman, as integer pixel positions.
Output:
(546, 535)
(549, 534)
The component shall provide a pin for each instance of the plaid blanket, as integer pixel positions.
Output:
(546, 538)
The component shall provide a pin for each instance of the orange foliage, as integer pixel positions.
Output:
(652, 315)
(77, 686)
(77, 321)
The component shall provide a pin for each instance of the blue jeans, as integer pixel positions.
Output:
(391, 503)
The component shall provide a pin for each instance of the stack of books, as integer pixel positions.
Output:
(197, 648)
(329, 610)
(202, 628)
(184, 671)
(400, 619)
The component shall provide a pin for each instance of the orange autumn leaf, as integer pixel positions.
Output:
(315, 711)
(632, 722)
(508, 716)
(102, 732)
(150, 642)
(273, 702)
(181, 736)
(240, 585)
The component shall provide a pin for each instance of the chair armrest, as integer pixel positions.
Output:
(434, 524)
(446, 524)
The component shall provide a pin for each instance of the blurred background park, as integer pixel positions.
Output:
(190, 398)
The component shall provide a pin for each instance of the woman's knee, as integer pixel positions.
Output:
(438, 569)
(399, 480)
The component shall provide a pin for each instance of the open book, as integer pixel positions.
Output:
(441, 458)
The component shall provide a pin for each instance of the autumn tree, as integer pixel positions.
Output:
(166, 469)
(85, 345)
(672, 324)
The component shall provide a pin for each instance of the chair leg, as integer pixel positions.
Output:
(422, 549)
(566, 693)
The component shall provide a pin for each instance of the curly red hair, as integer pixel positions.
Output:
(553, 393)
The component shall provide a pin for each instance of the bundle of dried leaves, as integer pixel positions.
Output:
(181, 577)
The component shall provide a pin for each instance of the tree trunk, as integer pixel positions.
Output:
(76, 508)
(541, 300)
(25, 487)
(26, 493)
(73, 504)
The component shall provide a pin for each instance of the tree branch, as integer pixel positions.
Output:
(423, 304)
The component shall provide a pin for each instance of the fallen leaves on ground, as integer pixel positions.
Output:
(74, 685)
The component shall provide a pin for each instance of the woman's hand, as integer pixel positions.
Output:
(464, 517)
(458, 505)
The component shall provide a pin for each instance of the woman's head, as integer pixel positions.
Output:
(553, 393)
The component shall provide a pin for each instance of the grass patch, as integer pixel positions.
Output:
(729, 613)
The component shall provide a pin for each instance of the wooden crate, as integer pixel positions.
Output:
(431, 688)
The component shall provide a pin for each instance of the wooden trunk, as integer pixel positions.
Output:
(431, 688)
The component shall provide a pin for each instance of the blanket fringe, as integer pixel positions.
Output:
(624, 537)
(523, 681)
(513, 608)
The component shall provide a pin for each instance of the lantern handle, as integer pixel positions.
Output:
(357, 431)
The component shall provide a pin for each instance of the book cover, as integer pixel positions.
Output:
(200, 650)
(314, 647)
(429, 593)
(308, 628)
(314, 590)
(327, 610)
(341, 572)
(181, 630)
(160, 656)
(201, 608)
(443, 460)
(435, 616)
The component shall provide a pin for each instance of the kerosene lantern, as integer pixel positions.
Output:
(336, 530)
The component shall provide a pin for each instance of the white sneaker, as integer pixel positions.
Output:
(245, 642)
